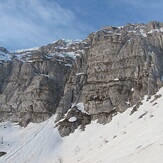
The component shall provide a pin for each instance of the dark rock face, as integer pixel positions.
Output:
(2, 153)
(112, 70)
(67, 126)
(31, 91)
(120, 66)
(3, 50)
(32, 86)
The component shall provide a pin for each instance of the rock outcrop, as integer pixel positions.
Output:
(120, 66)
(108, 72)
(32, 83)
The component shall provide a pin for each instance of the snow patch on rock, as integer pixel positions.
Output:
(72, 119)
(80, 106)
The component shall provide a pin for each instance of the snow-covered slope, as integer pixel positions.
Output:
(34, 143)
(136, 138)
(25, 50)
(135, 29)
(4, 55)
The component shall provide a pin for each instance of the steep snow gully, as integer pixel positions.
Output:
(130, 137)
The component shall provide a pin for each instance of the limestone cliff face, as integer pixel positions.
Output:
(120, 66)
(32, 83)
(111, 70)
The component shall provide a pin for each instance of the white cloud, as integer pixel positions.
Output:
(26, 23)
(150, 4)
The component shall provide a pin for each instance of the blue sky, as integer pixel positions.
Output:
(31, 23)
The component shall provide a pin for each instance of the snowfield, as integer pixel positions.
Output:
(128, 138)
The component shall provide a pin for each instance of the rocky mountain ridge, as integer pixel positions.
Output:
(32, 83)
(109, 71)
